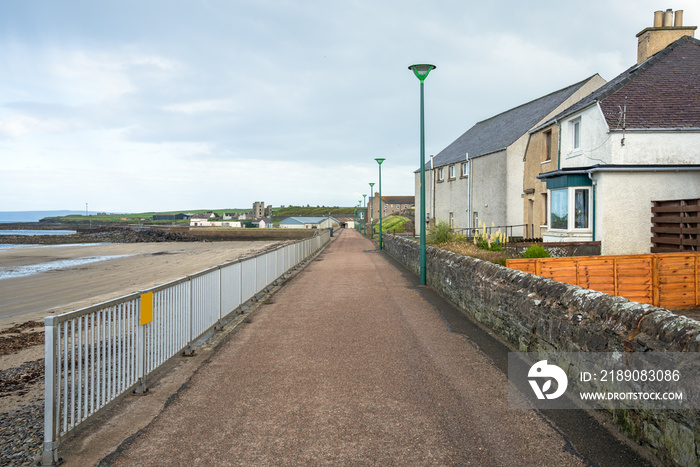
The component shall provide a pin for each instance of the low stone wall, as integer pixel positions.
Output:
(538, 314)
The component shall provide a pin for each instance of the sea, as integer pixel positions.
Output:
(30, 217)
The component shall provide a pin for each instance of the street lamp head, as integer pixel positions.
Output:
(421, 71)
(371, 185)
(379, 160)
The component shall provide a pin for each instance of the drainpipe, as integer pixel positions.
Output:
(558, 145)
(594, 183)
(469, 193)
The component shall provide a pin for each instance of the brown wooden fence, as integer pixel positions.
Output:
(668, 280)
(675, 225)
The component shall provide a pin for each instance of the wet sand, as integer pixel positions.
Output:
(147, 265)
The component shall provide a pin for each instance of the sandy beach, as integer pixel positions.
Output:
(137, 266)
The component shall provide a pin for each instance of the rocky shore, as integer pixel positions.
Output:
(102, 234)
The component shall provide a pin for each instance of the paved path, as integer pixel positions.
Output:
(349, 364)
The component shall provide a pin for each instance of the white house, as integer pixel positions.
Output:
(309, 223)
(208, 223)
(633, 141)
(479, 176)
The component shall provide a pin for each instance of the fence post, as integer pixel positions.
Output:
(219, 326)
(189, 350)
(141, 388)
(655, 280)
(49, 455)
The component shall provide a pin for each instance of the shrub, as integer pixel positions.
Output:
(536, 251)
(441, 233)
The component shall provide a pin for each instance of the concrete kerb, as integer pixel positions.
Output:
(104, 438)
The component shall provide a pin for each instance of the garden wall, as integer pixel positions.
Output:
(539, 314)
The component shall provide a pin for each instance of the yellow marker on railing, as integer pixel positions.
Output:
(146, 308)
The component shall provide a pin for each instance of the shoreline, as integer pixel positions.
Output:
(140, 266)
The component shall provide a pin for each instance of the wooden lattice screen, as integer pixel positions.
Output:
(675, 225)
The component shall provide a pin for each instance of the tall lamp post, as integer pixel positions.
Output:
(421, 71)
(379, 161)
(371, 210)
(364, 215)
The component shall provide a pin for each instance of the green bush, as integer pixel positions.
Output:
(441, 233)
(536, 251)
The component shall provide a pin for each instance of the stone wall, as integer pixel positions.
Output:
(538, 314)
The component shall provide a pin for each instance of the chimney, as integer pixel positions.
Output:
(667, 28)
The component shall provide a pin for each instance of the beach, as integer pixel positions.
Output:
(114, 270)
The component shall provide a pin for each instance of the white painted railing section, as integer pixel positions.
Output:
(95, 354)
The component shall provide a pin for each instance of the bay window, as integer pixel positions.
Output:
(569, 208)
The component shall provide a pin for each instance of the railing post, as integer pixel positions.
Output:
(219, 326)
(49, 455)
(189, 350)
(141, 388)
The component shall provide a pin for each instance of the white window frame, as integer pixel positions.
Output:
(571, 209)
(465, 169)
(452, 172)
(576, 134)
(441, 174)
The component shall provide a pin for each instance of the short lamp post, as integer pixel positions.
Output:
(379, 161)
(364, 215)
(371, 210)
(421, 72)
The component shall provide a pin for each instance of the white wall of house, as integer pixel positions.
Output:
(206, 223)
(623, 206)
(490, 189)
(514, 182)
(601, 146)
(659, 147)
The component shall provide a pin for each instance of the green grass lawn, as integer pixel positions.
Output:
(392, 224)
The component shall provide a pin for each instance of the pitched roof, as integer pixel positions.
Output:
(663, 92)
(399, 199)
(502, 130)
(304, 220)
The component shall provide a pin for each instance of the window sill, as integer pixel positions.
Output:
(440, 181)
(464, 176)
(451, 179)
(545, 162)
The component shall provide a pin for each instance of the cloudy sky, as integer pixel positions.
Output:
(154, 105)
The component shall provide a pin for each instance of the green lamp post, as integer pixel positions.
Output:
(421, 71)
(371, 210)
(364, 215)
(379, 161)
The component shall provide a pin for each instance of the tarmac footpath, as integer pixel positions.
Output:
(347, 364)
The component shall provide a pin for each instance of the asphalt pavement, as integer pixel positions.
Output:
(352, 363)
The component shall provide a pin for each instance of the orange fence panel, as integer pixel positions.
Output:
(669, 280)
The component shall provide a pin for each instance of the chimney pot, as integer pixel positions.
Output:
(658, 18)
(678, 21)
(668, 18)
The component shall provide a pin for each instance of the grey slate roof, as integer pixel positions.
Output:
(502, 130)
(662, 93)
(305, 220)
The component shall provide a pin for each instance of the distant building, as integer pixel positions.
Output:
(263, 223)
(309, 223)
(390, 205)
(170, 217)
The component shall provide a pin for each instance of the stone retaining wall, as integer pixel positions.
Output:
(538, 314)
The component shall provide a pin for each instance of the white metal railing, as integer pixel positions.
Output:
(95, 354)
